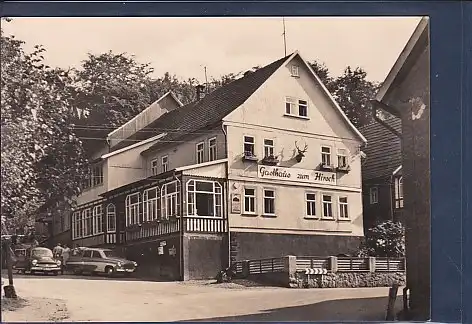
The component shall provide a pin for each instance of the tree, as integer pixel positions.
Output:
(386, 239)
(353, 92)
(35, 114)
(321, 70)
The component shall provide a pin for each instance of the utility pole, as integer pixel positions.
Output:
(10, 289)
(285, 39)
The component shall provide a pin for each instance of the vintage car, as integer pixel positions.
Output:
(97, 260)
(36, 259)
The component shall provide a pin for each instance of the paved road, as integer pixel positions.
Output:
(105, 299)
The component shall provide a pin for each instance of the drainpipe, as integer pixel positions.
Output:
(392, 196)
(181, 257)
(380, 105)
(223, 126)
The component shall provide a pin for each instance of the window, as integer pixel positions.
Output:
(269, 202)
(87, 254)
(268, 147)
(342, 158)
(374, 195)
(289, 105)
(97, 223)
(327, 206)
(249, 200)
(154, 167)
(170, 197)
(76, 225)
(399, 192)
(302, 108)
(212, 149)
(97, 175)
(87, 222)
(200, 152)
(165, 163)
(151, 204)
(310, 199)
(132, 209)
(295, 71)
(249, 143)
(111, 218)
(325, 155)
(204, 198)
(343, 208)
(96, 254)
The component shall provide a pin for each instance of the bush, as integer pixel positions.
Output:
(386, 239)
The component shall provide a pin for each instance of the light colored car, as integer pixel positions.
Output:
(98, 260)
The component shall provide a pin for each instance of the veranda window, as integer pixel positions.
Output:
(111, 218)
(97, 223)
(132, 209)
(204, 198)
(170, 199)
(151, 204)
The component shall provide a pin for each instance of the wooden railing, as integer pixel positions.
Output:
(331, 264)
(205, 224)
(153, 229)
(271, 265)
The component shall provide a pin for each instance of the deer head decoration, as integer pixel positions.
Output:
(301, 153)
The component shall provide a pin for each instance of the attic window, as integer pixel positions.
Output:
(295, 71)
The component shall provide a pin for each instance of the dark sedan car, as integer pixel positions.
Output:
(36, 259)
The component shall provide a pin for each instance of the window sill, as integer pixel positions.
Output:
(344, 220)
(269, 215)
(328, 219)
(249, 214)
(297, 116)
(311, 217)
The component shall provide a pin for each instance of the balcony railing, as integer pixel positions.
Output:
(152, 229)
(205, 224)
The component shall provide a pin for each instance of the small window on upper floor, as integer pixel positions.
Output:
(154, 167)
(295, 71)
(296, 107)
(165, 163)
(200, 152)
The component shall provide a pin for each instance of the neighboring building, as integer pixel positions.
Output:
(406, 94)
(267, 165)
(382, 180)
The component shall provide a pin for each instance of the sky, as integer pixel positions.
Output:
(184, 46)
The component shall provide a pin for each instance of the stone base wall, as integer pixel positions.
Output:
(347, 280)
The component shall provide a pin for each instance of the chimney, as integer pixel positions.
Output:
(200, 91)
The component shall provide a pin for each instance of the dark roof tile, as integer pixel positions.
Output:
(206, 112)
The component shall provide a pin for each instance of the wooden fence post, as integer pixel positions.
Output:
(392, 297)
(333, 264)
(371, 264)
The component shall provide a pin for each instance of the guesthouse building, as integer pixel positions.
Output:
(265, 166)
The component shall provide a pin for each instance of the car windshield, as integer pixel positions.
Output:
(111, 254)
(43, 252)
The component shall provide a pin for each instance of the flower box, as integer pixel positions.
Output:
(270, 160)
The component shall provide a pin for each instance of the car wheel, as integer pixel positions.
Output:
(55, 273)
(110, 271)
(77, 272)
(33, 272)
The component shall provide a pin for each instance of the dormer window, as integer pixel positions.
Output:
(295, 71)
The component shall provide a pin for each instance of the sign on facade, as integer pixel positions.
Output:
(296, 175)
(172, 251)
(236, 203)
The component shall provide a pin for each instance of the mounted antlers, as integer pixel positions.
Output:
(301, 153)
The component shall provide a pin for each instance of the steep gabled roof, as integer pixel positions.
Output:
(206, 112)
(383, 149)
(418, 41)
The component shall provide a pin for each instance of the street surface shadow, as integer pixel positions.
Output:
(355, 309)
(135, 277)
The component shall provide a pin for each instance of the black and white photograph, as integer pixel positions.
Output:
(215, 169)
